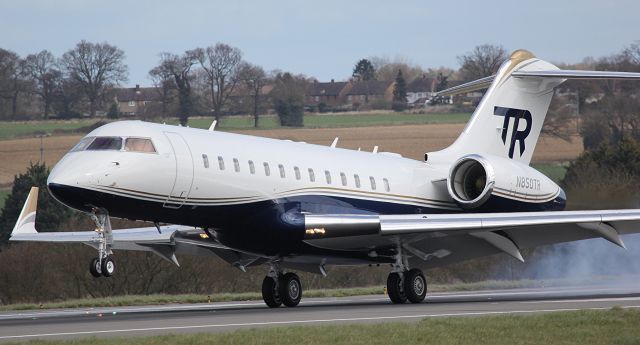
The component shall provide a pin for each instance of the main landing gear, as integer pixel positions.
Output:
(103, 265)
(404, 284)
(278, 288)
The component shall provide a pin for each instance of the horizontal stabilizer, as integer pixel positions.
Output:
(475, 85)
(575, 74)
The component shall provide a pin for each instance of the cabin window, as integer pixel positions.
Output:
(267, 170)
(312, 175)
(82, 145)
(105, 143)
(205, 160)
(357, 179)
(281, 168)
(327, 175)
(296, 170)
(386, 185)
(236, 165)
(373, 182)
(221, 162)
(139, 145)
(252, 168)
(343, 178)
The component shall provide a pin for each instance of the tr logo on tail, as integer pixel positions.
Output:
(516, 135)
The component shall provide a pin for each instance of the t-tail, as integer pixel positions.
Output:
(508, 120)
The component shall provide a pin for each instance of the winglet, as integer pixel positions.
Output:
(26, 223)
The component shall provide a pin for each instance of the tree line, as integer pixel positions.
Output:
(200, 81)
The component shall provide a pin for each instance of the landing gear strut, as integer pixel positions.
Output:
(103, 265)
(404, 284)
(278, 288)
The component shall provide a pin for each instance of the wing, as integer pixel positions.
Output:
(455, 237)
(165, 241)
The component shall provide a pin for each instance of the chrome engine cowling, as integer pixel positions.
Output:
(474, 178)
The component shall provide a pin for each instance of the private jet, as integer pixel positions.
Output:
(293, 206)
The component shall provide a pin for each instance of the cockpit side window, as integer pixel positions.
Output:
(82, 145)
(139, 145)
(105, 143)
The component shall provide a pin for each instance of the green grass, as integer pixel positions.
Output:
(613, 326)
(333, 120)
(553, 171)
(10, 130)
(131, 300)
(4, 193)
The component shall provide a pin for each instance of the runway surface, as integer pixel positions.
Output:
(216, 317)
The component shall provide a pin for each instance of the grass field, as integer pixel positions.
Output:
(10, 130)
(132, 300)
(336, 120)
(554, 171)
(613, 326)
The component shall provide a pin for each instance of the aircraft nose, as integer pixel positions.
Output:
(63, 183)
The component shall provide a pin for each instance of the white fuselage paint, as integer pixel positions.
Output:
(179, 170)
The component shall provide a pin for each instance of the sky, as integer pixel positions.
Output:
(323, 39)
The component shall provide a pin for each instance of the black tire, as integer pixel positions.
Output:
(415, 286)
(395, 288)
(95, 268)
(290, 289)
(270, 293)
(108, 266)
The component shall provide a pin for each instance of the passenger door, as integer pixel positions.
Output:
(183, 171)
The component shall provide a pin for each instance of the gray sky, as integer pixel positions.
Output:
(322, 38)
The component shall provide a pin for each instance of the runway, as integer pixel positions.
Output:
(216, 317)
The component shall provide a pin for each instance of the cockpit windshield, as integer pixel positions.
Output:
(139, 145)
(105, 143)
(82, 145)
(133, 144)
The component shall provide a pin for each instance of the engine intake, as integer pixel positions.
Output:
(471, 181)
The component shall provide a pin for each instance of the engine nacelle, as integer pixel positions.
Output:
(474, 179)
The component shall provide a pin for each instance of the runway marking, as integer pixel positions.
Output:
(621, 299)
(293, 322)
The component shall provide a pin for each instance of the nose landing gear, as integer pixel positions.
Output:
(103, 265)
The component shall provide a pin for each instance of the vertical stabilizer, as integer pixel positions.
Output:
(508, 120)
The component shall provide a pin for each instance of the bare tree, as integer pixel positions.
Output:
(387, 69)
(254, 79)
(95, 66)
(632, 52)
(165, 86)
(42, 69)
(178, 68)
(482, 62)
(12, 79)
(221, 63)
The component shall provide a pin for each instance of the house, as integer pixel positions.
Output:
(370, 91)
(134, 100)
(241, 100)
(420, 90)
(330, 94)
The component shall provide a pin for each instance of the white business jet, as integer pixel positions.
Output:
(295, 206)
